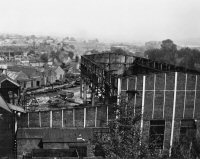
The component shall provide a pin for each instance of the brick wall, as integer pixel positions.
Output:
(159, 94)
(57, 119)
(34, 119)
(77, 117)
(45, 119)
(159, 98)
(101, 116)
(56, 138)
(68, 118)
(90, 122)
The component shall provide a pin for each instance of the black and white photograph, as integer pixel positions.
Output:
(99, 79)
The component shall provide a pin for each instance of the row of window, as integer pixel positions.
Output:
(157, 131)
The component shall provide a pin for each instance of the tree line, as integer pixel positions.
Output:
(168, 53)
(125, 140)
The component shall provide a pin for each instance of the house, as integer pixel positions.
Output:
(49, 75)
(24, 61)
(34, 76)
(21, 78)
(36, 63)
(39, 63)
(74, 68)
(3, 67)
(59, 73)
(18, 57)
(52, 73)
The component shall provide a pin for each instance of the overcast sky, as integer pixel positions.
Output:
(115, 20)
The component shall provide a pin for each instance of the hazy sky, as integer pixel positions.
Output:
(115, 20)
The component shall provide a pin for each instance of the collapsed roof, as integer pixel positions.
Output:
(122, 64)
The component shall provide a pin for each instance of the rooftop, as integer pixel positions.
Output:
(4, 77)
(28, 70)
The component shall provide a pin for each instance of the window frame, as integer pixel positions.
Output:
(154, 124)
(186, 126)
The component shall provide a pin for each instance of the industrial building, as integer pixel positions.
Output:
(168, 96)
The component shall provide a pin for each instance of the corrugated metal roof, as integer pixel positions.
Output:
(13, 75)
(28, 70)
(3, 104)
(4, 77)
(16, 108)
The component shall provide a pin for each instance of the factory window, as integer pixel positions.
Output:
(156, 133)
(187, 130)
(38, 83)
(124, 84)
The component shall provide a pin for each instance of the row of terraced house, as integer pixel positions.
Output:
(34, 77)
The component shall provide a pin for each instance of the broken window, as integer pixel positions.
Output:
(156, 133)
(187, 130)
(38, 83)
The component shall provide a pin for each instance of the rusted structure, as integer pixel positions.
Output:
(168, 96)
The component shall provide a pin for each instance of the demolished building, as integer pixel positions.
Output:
(168, 98)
